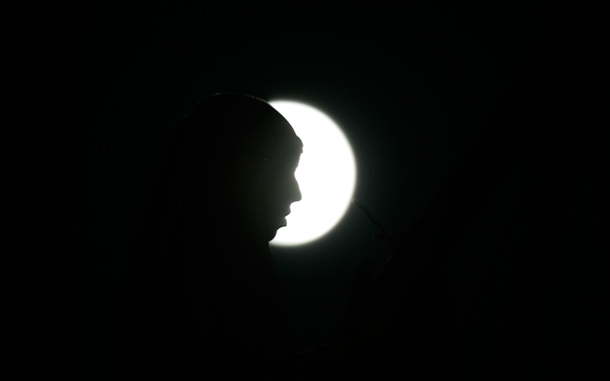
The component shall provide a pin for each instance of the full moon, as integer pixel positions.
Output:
(326, 175)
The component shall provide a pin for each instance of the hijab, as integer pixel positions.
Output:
(200, 285)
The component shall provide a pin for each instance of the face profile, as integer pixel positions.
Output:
(279, 193)
(237, 158)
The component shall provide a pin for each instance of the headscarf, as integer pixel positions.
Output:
(200, 283)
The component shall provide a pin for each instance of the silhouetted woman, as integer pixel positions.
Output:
(201, 291)
(202, 298)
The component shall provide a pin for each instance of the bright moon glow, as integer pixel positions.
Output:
(326, 175)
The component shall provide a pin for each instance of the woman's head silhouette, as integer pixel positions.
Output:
(226, 169)
(239, 159)
(220, 190)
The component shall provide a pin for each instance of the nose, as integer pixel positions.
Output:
(297, 194)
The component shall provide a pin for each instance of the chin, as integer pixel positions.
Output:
(273, 230)
(272, 235)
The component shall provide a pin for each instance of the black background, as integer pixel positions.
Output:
(410, 85)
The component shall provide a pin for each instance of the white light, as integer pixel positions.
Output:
(326, 175)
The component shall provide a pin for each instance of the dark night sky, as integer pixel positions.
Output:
(411, 87)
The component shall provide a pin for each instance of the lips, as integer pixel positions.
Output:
(284, 222)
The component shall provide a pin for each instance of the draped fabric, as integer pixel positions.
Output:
(201, 296)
